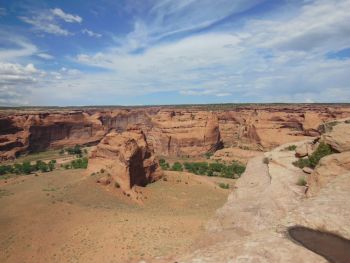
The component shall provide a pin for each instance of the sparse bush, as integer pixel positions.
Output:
(116, 185)
(61, 152)
(290, 148)
(224, 186)
(301, 181)
(301, 163)
(102, 171)
(266, 160)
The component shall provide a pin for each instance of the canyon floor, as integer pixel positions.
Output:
(64, 216)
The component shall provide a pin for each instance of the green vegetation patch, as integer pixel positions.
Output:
(311, 161)
(290, 148)
(164, 165)
(233, 170)
(27, 168)
(80, 163)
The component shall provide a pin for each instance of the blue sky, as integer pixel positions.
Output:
(139, 52)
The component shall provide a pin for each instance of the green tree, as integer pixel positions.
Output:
(177, 167)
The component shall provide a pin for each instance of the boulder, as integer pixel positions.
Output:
(307, 170)
(126, 159)
(339, 137)
(305, 149)
(327, 169)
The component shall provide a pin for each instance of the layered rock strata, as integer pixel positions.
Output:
(125, 159)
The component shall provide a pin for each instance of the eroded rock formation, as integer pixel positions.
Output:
(125, 159)
(172, 131)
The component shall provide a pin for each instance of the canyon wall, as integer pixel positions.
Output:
(171, 131)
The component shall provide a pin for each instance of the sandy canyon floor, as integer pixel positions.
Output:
(64, 216)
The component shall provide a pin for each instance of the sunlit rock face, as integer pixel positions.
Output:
(126, 159)
(172, 131)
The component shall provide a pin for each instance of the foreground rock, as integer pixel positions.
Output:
(339, 137)
(126, 160)
(253, 224)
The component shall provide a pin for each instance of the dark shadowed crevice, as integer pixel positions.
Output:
(334, 248)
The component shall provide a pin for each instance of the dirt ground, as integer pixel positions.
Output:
(64, 216)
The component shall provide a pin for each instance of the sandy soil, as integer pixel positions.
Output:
(64, 216)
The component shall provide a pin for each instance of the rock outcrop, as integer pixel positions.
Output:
(253, 224)
(126, 160)
(339, 137)
(327, 169)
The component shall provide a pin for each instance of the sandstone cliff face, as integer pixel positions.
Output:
(171, 131)
(126, 159)
(185, 133)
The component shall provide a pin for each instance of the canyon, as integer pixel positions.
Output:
(184, 217)
(169, 130)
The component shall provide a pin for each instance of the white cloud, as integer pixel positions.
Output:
(277, 59)
(45, 24)
(47, 21)
(20, 47)
(16, 80)
(45, 56)
(90, 33)
(69, 18)
(257, 63)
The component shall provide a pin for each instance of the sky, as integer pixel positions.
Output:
(146, 52)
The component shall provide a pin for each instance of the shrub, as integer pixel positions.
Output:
(41, 166)
(76, 150)
(291, 148)
(301, 163)
(266, 160)
(311, 161)
(27, 168)
(116, 185)
(51, 165)
(6, 169)
(224, 186)
(163, 164)
(321, 151)
(80, 163)
(61, 152)
(177, 167)
(301, 181)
